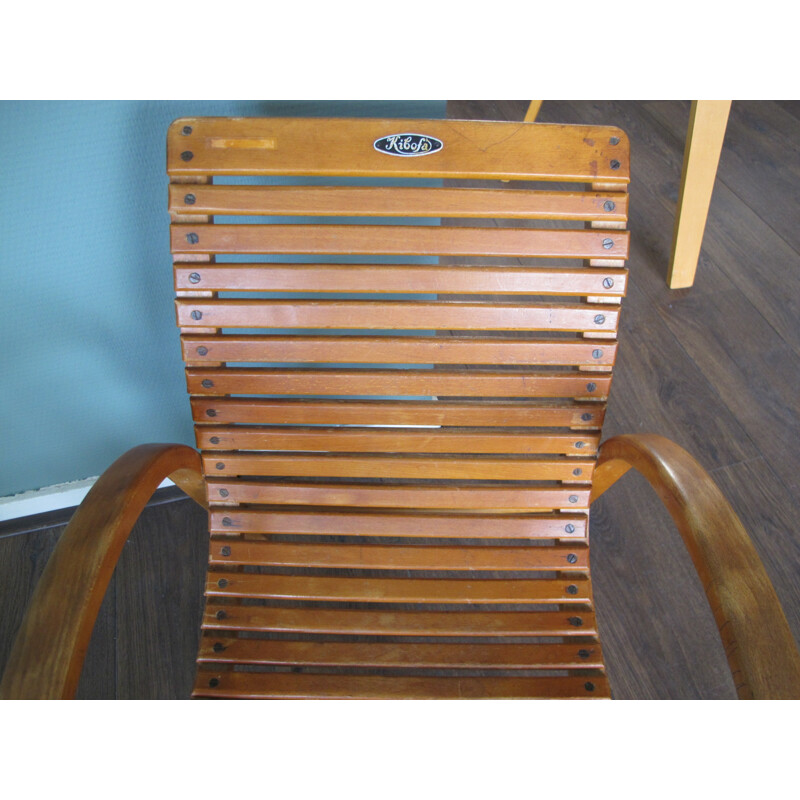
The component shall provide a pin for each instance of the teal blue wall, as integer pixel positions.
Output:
(90, 359)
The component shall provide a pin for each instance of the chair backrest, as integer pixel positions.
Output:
(398, 388)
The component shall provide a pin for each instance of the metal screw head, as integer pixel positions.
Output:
(187, 155)
(572, 558)
(569, 528)
(189, 199)
(597, 353)
(608, 244)
(599, 319)
(194, 277)
(223, 492)
(202, 351)
(219, 465)
(608, 283)
(614, 140)
(210, 412)
(222, 583)
(581, 653)
(577, 471)
(219, 647)
(590, 387)
(214, 440)
(221, 614)
(573, 498)
(589, 686)
(584, 417)
(609, 205)
(575, 621)
(227, 522)
(572, 589)
(213, 683)
(615, 164)
(193, 238)
(226, 551)
(579, 445)
(187, 129)
(207, 384)
(197, 314)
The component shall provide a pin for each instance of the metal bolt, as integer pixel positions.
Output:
(193, 238)
(577, 471)
(210, 412)
(213, 683)
(608, 283)
(202, 351)
(227, 522)
(579, 445)
(590, 387)
(581, 653)
(219, 647)
(223, 492)
(575, 621)
(609, 205)
(614, 140)
(572, 589)
(584, 417)
(573, 498)
(187, 129)
(589, 686)
(189, 199)
(597, 353)
(614, 164)
(569, 528)
(214, 440)
(608, 243)
(226, 551)
(220, 465)
(194, 277)
(207, 384)
(221, 614)
(599, 319)
(222, 583)
(197, 314)
(187, 155)
(572, 558)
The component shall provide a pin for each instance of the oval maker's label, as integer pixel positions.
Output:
(408, 144)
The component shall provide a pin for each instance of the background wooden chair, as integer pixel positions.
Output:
(353, 555)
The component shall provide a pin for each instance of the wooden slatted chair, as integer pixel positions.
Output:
(399, 482)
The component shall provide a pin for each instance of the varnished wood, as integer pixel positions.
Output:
(761, 651)
(68, 596)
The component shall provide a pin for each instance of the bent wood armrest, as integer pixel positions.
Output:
(758, 642)
(48, 653)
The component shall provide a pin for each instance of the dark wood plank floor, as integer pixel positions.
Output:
(715, 367)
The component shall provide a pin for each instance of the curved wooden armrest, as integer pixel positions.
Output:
(48, 652)
(758, 642)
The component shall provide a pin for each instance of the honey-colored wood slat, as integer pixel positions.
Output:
(361, 314)
(231, 617)
(254, 685)
(372, 440)
(431, 497)
(400, 557)
(403, 240)
(386, 278)
(461, 383)
(323, 465)
(363, 201)
(396, 350)
(396, 590)
(496, 150)
(499, 655)
(493, 413)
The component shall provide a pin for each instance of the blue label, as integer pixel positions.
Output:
(408, 144)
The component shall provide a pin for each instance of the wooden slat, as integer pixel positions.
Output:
(433, 497)
(402, 240)
(228, 616)
(396, 350)
(400, 557)
(387, 278)
(482, 526)
(364, 201)
(361, 314)
(498, 655)
(329, 146)
(512, 468)
(495, 413)
(374, 440)
(395, 590)
(255, 685)
(461, 383)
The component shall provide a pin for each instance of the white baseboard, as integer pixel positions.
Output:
(50, 498)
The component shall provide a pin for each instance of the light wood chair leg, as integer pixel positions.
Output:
(533, 111)
(707, 124)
